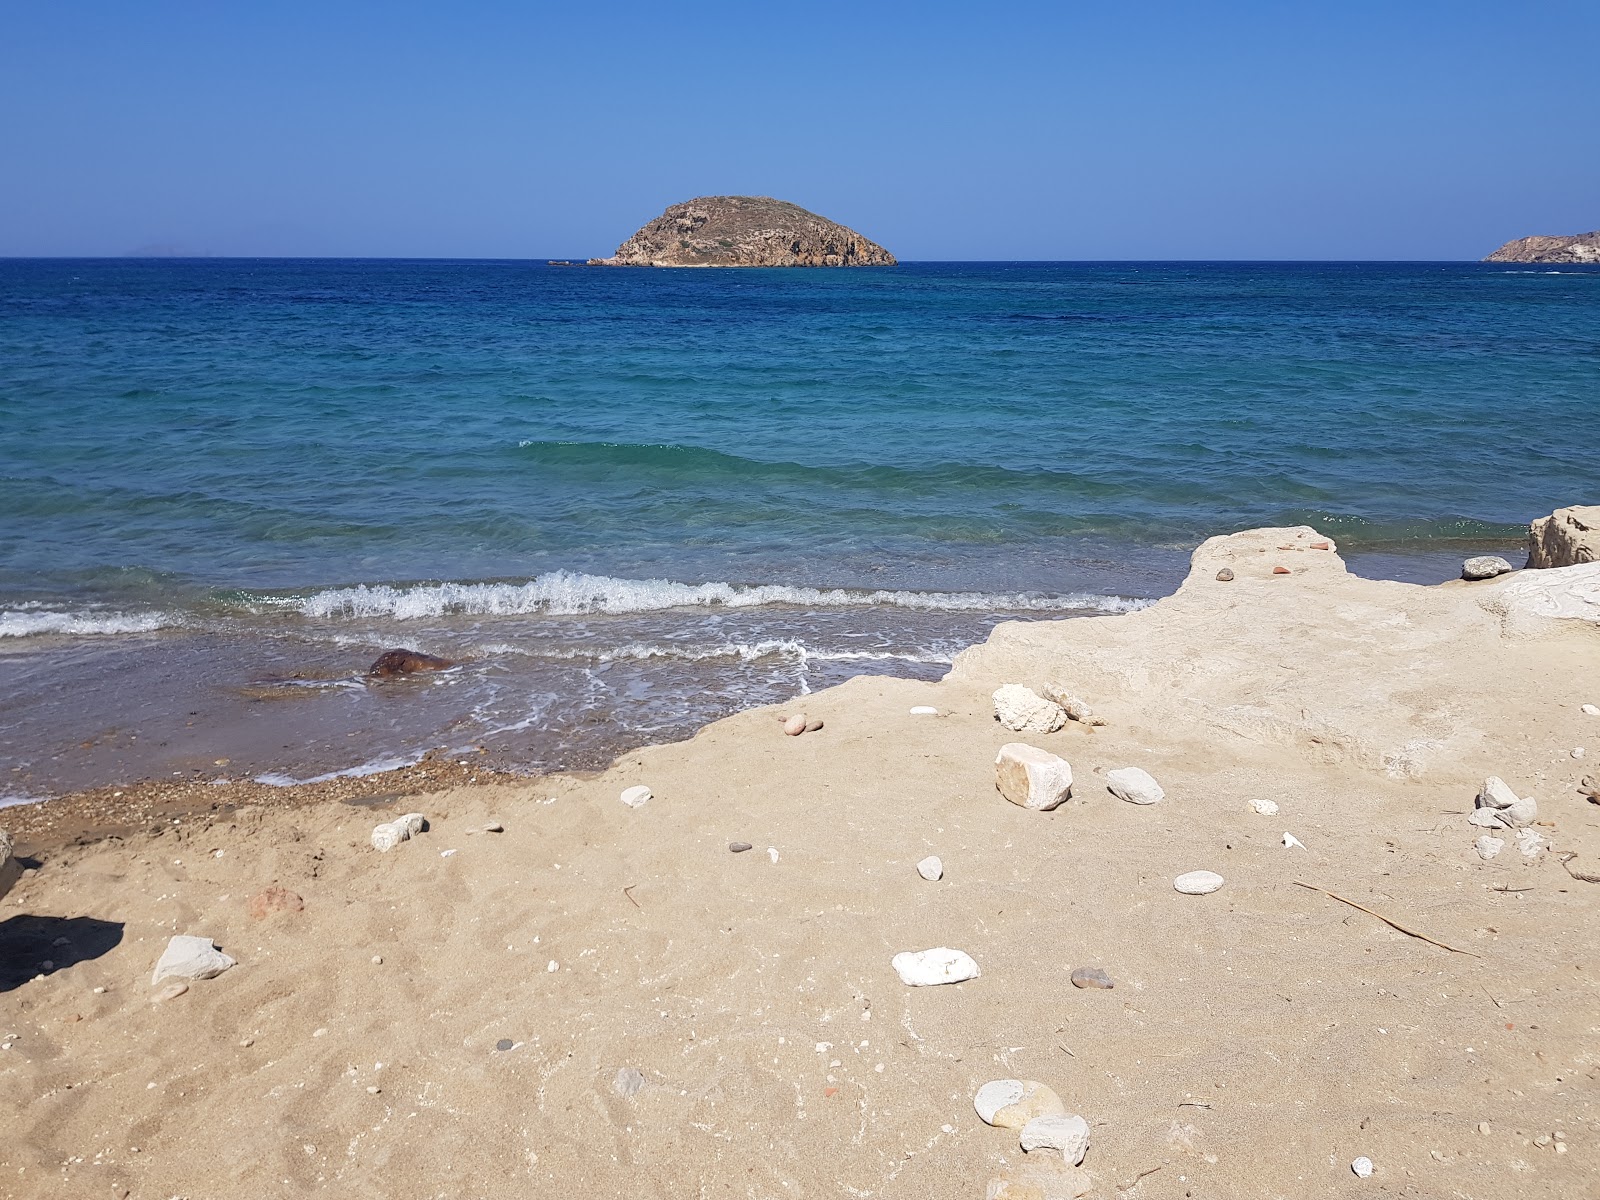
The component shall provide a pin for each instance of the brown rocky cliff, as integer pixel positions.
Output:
(745, 231)
(1578, 248)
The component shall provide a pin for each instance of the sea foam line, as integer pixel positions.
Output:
(34, 623)
(568, 593)
(743, 651)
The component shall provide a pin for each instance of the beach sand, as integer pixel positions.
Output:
(1257, 1040)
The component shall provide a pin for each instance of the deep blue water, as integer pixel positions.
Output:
(184, 443)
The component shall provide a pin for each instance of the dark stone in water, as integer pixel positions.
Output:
(406, 662)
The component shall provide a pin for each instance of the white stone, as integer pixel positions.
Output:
(1362, 1166)
(1289, 840)
(1495, 794)
(414, 823)
(1068, 1134)
(922, 968)
(1577, 752)
(1529, 842)
(995, 1095)
(1198, 883)
(924, 710)
(387, 836)
(1075, 708)
(1012, 1103)
(1485, 818)
(1025, 711)
(188, 957)
(1032, 777)
(931, 868)
(1590, 710)
(1265, 807)
(1488, 846)
(636, 797)
(1485, 566)
(1135, 785)
(1523, 812)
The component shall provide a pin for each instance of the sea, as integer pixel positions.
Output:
(626, 502)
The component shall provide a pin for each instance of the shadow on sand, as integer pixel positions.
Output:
(27, 940)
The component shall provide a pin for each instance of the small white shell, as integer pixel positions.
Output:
(1198, 883)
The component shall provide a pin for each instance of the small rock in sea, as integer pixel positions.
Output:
(1485, 566)
(274, 900)
(1590, 710)
(1266, 808)
(1530, 842)
(1290, 841)
(1135, 785)
(1012, 1103)
(1485, 818)
(171, 992)
(1225, 575)
(931, 868)
(1066, 1133)
(1032, 778)
(1091, 977)
(1362, 1166)
(188, 957)
(1075, 708)
(406, 662)
(1495, 794)
(1280, 570)
(796, 725)
(740, 847)
(504, 1044)
(494, 827)
(1488, 846)
(923, 968)
(636, 796)
(1198, 883)
(924, 710)
(1039, 1178)
(628, 1082)
(1025, 711)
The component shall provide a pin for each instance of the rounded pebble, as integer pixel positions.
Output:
(740, 847)
(1091, 977)
(795, 725)
(1198, 883)
(1280, 570)
(637, 796)
(1362, 1166)
(1012, 1103)
(1225, 575)
(931, 868)
(504, 1044)
(941, 964)
(924, 710)
(1588, 710)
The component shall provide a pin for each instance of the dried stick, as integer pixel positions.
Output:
(1386, 920)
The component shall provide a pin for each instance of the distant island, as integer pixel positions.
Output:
(745, 231)
(1577, 248)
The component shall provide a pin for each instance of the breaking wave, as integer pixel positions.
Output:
(34, 623)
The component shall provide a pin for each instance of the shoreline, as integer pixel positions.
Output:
(505, 982)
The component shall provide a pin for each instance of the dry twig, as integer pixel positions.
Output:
(1390, 921)
(628, 892)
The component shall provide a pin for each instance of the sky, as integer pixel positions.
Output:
(1113, 129)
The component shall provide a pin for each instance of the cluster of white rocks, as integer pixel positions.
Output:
(1054, 1140)
(1022, 710)
(387, 836)
(1499, 808)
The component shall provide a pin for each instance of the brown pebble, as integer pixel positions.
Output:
(1280, 570)
(814, 724)
(795, 725)
(274, 899)
(1225, 575)
(1091, 977)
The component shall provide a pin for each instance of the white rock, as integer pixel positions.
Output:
(1075, 708)
(922, 968)
(387, 836)
(1012, 1103)
(1523, 812)
(995, 1095)
(1495, 794)
(636, 797)
(1488, 846)
(1068, 1134)
(1032, 777)
(1529, 842)
(924, 710)
(1135, 785)
(1577, 752)
(1265, 807)
(1025, 711)
(414, 823)
(931, 868)
(188, 957)
(1590, 710)
(1198, 883)
(1485, 566)
(1485, 818)
(1290, 840)
(1362, 1166)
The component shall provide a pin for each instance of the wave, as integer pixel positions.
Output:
(569, 593)
(787, 648)
(31, 622)
(376, 767)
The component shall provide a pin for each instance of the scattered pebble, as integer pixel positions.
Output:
(772, 853)
(1012, 1103)
(923, 968)
(1577, 752)
(636, 796)
(494, 827)
(1265, 807)
(740, 847)
(1135, 785)
(1362, 1166)
(1485, 1128)
(1485, 566)
(1066, 1133)
(552, 966)
(1590, 710)
(377, 960)
(1322, 545)
(796, 725)
(1289, 840)
(1488, 846)
(1280, 570)
(1225, 575)
(814, 724)
(448, 853)
(1198, 883)
(1023, 710)
(1032, 778)
(931, 868)
(373, 1091)
(99, 991)
(188, 957)
(628, 1082)
(504, 1044)
(1091, 977)
(924, 710)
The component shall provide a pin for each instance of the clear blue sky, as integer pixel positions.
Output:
(1068, 130)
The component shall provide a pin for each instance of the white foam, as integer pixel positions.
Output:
(568, 593)
(743, 651)
(36, 623)
(12, 801)
(376, 767)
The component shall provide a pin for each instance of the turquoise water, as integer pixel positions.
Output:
(507, 459)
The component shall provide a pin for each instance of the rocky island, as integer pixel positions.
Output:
(1576, 248)
(745, 231)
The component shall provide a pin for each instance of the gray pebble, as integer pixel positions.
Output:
(628, 1082)
(1091, 977)
(504, 1044)
(739, 847)
(1225, 575)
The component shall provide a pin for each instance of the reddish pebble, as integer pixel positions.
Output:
(1322, 545)
(830, 1091)
(274, 899)
(1280, 570)
(795, 725)
(814, 724)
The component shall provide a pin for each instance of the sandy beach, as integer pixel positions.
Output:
(601, 1000)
